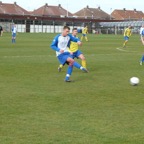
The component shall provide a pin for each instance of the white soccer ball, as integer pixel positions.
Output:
(134, 81)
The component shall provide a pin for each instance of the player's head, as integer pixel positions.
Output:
(66, 30)
(74, 31)
(14, 25)
(143, 25)
(129, 26)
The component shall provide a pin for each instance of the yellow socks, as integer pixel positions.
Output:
(84, 63)
(125, 43)
(86, 38)
(61, 66)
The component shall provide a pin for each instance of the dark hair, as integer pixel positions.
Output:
(74, 29)
(66, 27)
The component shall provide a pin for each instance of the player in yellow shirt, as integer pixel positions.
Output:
(84, 33)
(75, 52)
(127, 34)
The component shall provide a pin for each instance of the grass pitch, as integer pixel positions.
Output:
(101, 107)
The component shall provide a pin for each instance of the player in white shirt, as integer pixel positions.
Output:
(14, 31)
(142, 40)
(61, 45)
(142, 34)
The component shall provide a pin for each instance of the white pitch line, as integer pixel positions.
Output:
(25, 56)
(18, 56)
(125, 50)
(87, 55)
(122, 50)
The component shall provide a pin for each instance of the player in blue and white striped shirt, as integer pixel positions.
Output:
(61, 45)
(14, 31)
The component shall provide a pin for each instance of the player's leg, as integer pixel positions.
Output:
(63, 58)
(82, 37)
(15, 38)
(76, 64)
(81, 56)
(86, 38)
(142, 39)
(142, 60)
(69, 70)
(126, 41)
(60, 67)
(12, 39)
(1, 32)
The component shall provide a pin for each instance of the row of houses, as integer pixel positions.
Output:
(58, 11)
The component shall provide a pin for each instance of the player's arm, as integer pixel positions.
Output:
(55, 44)
(69, 50)
(82, 31)
(125, 31)
(75, 39)
(130, 32)
(140, 31)
(87, 31)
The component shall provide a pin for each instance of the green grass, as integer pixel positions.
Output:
(101, 107)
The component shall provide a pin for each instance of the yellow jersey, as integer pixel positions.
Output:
(85, 30)
(73, 47)
(127, 32)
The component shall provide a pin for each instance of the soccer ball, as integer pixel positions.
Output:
(134, 81)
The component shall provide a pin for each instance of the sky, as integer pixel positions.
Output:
(76, 5)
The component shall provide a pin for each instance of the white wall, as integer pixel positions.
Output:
(21, 28)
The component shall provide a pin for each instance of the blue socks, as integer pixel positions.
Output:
(13, 41)
(70, 69)
(69, 72)
(142, 60)
(77, 65)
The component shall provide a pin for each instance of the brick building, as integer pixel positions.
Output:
(52, 11)
(127, 14)
(12, 9)
(92, 13)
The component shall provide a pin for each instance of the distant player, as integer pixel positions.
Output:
(1, 30)
(127, 34)
(142, 34)
(84, 33)
(73, 49)
(142, 40)
(60, 44)
(14, 31)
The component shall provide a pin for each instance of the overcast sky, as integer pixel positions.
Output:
(75, 5)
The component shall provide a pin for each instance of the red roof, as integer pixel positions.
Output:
(127, 14)
(47, 10)
(96, 13)
(12, 9)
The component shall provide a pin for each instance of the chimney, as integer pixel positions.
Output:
(87, 7)
(124, 9)
(46, 4)
(15, 3)
(59, 5)
(99, 8)
(135, 10)
(0, 2)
